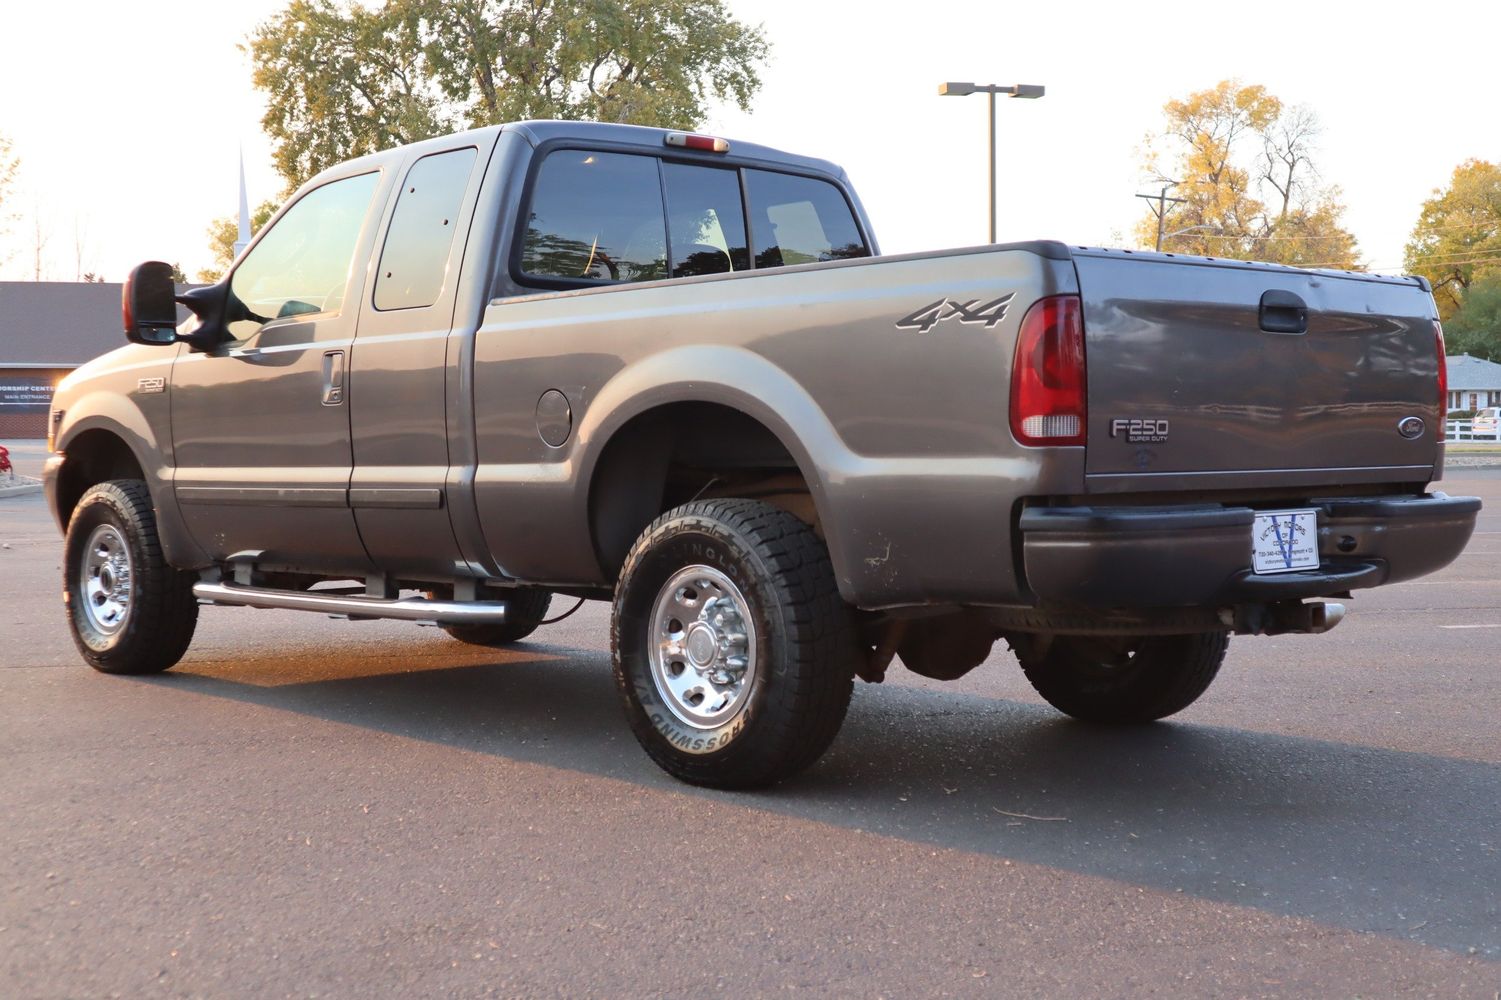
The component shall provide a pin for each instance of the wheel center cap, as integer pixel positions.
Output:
(702, 644)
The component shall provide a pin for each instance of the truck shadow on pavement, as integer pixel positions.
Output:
(1374, 840)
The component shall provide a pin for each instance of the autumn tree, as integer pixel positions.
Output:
(222, 234)
(1457, 239)
(1244, 165)
(344, 79)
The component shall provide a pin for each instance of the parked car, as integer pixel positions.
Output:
(452, 380)
(1486, 421)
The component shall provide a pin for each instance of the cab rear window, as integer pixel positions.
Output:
(800, 220)
(597, 217)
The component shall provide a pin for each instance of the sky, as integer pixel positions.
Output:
(129, 135)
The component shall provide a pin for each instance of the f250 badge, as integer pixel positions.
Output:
(1136, 431)
(151, 385)
(989, 313)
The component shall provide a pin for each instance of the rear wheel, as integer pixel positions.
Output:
(526, 607)
(131, 613)
(1116, 680)
(733, 652)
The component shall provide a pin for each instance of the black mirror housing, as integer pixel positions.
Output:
(212, 311)
(148, 304)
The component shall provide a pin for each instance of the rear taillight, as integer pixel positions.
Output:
(1047, 374)
(1443, 378)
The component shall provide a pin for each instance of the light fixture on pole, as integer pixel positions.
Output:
(1028, 90)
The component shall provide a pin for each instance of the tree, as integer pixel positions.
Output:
(1475, 328)
(1457, 239)
(222, 234)
(1248, 180)
(10, 164)
(344, 80)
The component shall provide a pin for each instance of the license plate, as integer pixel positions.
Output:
(1285, 541)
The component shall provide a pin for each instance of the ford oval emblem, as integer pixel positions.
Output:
(1411, 428)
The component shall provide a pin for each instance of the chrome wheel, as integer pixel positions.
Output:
(105, 579)
(703, 647)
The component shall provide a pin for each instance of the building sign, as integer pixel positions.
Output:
(19, 394)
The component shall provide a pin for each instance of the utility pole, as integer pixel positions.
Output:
(1160, 208)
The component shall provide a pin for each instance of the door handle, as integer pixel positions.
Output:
(1283, 312)
(333, 378)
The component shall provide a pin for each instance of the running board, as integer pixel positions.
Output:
(412, 609)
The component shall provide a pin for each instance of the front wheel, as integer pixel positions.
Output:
(131, 612)
(1114, 680)
(733, 652)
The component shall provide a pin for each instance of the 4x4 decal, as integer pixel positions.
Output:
(924, 319)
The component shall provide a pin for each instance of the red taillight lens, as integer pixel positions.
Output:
(1047, 374)
(1443, 379)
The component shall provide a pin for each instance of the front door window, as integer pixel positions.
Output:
(301, 266)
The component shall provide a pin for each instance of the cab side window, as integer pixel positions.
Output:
(301, 266)
(596, 217)
(799, 220)
(414, 260)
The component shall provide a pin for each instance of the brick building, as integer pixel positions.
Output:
(47, 329)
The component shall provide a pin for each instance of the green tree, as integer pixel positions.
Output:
(345, 79)
(1457, 239)
(1475, 327)
(1245, 169)
(223, 232)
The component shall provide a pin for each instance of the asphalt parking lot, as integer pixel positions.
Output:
(306, 807)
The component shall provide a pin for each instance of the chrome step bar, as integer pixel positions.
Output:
(412, 609)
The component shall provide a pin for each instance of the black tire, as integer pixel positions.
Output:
(525, 609)
(790, 623)
(114, 526)
(1122, 680)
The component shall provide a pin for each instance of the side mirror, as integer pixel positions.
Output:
(148, 304)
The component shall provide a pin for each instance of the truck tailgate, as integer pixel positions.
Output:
(1196, 380)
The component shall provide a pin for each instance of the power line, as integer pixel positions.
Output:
(1496, 259)
(1471, 252)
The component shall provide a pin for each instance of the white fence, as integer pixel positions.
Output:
(1463, 430)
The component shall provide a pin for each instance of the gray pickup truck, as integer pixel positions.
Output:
(450, 381)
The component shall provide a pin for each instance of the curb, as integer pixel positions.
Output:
(21, 487)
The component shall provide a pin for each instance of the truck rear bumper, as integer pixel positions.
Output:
(1200, 555)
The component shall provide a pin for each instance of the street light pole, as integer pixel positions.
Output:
(1026, 90)
(992, 167)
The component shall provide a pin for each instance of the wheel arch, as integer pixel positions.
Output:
(91, 456)
(649, 424)
(114, 440)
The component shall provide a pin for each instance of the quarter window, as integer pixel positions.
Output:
(596, 217)
(414, 260)
(799, 220)
(301, 266)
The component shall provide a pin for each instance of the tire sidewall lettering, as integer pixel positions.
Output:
(695, 543)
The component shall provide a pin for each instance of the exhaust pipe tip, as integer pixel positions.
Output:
(1325, 615)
